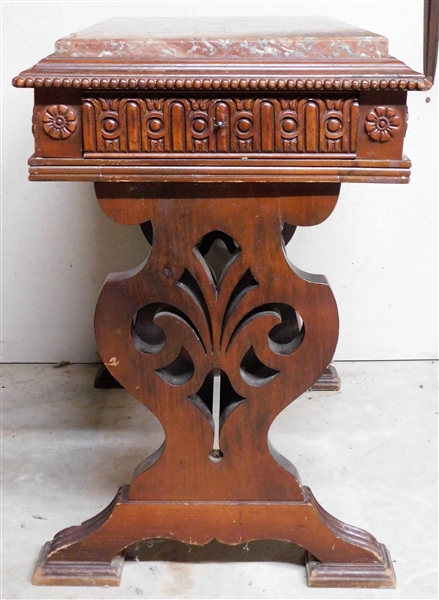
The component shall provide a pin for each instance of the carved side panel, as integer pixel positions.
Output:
(293, 125)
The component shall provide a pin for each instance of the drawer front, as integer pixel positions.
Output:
(289, 126)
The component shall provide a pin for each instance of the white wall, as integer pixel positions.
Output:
(379, 248)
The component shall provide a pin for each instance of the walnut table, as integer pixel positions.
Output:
(218, 139)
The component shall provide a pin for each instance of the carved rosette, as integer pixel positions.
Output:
(382, 123)
(59, 122)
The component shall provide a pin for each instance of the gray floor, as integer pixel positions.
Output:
(369, 454)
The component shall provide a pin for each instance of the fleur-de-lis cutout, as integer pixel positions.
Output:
(216, 253)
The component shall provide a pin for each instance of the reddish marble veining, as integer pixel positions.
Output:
(224, 38)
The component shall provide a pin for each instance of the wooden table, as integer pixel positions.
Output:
(218, 139)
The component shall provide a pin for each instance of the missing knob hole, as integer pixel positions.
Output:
(216, 455)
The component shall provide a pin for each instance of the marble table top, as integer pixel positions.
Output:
(198, 39)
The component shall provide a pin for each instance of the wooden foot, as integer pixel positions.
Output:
(350, 575)
(329, 381)
(98, 574)
(91, 553)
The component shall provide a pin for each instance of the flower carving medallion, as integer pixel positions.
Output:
(381, 123)
(59, 122)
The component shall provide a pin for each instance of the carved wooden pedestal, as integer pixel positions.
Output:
(216, 333)
(218, 151)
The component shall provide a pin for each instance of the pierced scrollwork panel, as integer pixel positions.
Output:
(166, 334)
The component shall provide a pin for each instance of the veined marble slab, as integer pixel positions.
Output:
(192, 39)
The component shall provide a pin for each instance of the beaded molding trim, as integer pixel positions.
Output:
(141, 83)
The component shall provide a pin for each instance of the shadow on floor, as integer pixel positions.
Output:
(214, 551)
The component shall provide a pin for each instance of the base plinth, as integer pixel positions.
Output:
(329, 381)
(348, 556)
(350, 575)
(98, 574)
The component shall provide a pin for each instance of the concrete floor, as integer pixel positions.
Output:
(369, 454)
